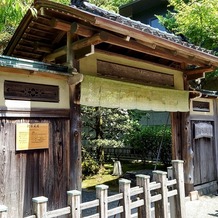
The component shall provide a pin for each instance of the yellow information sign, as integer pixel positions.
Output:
(32, 136)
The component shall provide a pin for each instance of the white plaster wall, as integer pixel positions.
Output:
(34, 78)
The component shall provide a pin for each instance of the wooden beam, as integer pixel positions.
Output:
(158, 52)
(84, 52)
(94, 40)
(199, 70)
(82, 30)
(60, 25)
(194, 76)
(144, 46)
(138, 75)
(150, 38)
(74, 27)
(41, 47)
(197, 73)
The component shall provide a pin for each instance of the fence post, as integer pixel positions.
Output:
(144, 181)
(101, 194)
(171, 199)
(40, 206)
(124, 187)
(74, 202)
(161, 207)
(180, 198)
(3, 211)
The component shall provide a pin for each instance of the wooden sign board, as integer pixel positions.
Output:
(32, 136)
(203, 130)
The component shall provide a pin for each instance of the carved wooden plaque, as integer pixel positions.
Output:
(139, 75)
(32, 136)
(30, 92)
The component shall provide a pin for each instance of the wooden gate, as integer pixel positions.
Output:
(204, 152)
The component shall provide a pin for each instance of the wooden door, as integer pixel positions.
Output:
(204, 155)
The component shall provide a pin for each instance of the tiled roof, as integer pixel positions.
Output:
(91, 8)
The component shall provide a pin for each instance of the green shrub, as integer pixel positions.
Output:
(89, 165)
(149, 140)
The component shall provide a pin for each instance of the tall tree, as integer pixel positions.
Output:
(196, 21)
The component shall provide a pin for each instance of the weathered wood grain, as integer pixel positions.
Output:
(27, 174)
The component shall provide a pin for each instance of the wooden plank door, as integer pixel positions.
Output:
(204, 160)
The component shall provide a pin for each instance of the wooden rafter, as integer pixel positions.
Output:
(139, 46)
(59, 19)
(42, 47)
(146, 37)
(94, 40)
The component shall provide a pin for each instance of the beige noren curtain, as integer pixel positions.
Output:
(96, 91)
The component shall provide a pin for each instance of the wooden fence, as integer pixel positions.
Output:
(108, 153)
(162, 198)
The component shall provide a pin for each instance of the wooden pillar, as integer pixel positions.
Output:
(176, 136)
(75, 120)
(187, 154)
(187, 150)
(75, 138)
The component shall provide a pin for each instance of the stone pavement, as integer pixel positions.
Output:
(205, 207)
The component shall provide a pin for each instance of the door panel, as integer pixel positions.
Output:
(204, 159)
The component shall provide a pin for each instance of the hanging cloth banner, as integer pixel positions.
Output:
(96, 91)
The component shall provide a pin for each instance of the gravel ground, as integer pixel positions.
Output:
(205, 207)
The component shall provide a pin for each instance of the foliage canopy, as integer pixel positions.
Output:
(12, 11)
(196, 20)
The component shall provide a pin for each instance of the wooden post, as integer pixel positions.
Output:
(187, 152)
(144, 181)
(124, 187)
(171, 199)
(40, 206)
(75, 138)
(101, 194)
(3, 211)
(180, 198)
(161, 207)
(176, 135)
(75, 120)
(188, 155)
(74, 202)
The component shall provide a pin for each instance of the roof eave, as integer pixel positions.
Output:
(112, 26)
